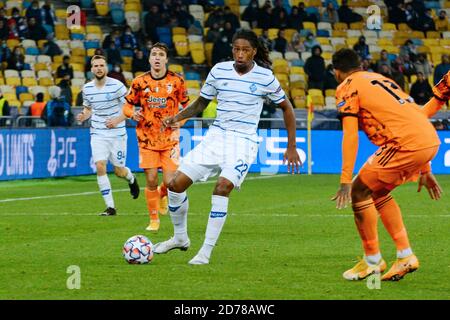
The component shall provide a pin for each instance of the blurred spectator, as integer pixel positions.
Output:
(4, 107)
(114, 37)
(221, 50)
(66, 91)
(396, 12)
(65, 68)
(310, 42)
(408, 49)
(57, 111)
(315, 69)
(152, 20)
(421, 90)
(38, 106)
(330, 81)
(215, 17)
(117, 74)
(281, 20)
(4, 31)
(213, 33)
(5, 52)
(297, 43)
(397, 73)
(147, 47)
(425, 22)
(264, 38)
(195, 29)
(51, 48)
(2, 16)
(294, 19)
(265, 17)
(140, 63)
(19, 22)
(250, 13)
(347, 15)
(361, 48)
(441, 124)
(442, 68)
(384, 60)
(113, 54)
(386, 71)
(330, 14)
(17, 60)
(48, 14)
(334, 3)
(268, 110)
(441, 22)
(33, 11)
(365, 65)
(129, 40)
(411, 15)
(230, 17)
(280, 43)
(305, 16)
(228, 31)
(36, 31)
(184, 18)
(423, 65)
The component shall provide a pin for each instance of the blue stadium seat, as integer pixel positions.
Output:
(118, 16)
(244, 2)
(219, 2)
(13, 111)
(86, 3)
(190, 75)
(126, 53)
(297, 63)
(90, 44)
(33, 51)
(304, 32)
(165, 35)
(314, 11)
(48, 28)
(417, 42)
(26, 4)
(20, 89)
(432, 5)
(392, 56)
(77, 36)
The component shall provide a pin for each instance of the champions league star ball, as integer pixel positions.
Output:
(138, 250)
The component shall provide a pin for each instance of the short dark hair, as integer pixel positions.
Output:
(346, 60)
(98, 56)
(40, 97)
(162, 46)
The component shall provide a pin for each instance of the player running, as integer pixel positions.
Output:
(407, 141)
(103, 98)
(230, 145)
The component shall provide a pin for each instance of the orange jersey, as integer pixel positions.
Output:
(158, 99)
(385, 113)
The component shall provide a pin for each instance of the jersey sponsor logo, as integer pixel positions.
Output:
(157, 102)
(169, 88)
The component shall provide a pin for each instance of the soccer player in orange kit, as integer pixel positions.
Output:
(407, 141)
(159, 94)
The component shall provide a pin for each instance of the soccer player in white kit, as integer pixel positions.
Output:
(230, 145)
(103, 98)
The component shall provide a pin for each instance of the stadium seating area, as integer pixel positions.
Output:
(192, 56)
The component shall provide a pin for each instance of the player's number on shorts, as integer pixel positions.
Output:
(388, 89)
(241, 167)
(120, 155)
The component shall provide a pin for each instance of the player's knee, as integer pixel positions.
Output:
(175, 186)
(360, 192)
(120, 172)
(101, 168)
(223, 188)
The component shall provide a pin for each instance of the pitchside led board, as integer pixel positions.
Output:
(59, 152)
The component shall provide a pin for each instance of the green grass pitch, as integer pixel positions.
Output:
(283, 239)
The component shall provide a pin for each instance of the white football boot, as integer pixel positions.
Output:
(166, 246)
(200, 258)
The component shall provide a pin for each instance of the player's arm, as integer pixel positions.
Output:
(428, 180)
(85, 114)
(132, 99)
(441, 92)
(193, 109)
(291, 154)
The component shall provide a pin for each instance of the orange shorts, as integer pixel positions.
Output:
(166, 159)
(389, 167)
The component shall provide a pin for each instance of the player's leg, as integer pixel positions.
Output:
(118, 159)
(170, 161)
(152, 198)
(366, 217)
(163, 198)
(178, 209)
(216, 220)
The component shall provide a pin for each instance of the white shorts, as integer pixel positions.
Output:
(114, 150)
(227, 153)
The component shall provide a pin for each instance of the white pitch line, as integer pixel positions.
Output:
(88, 193)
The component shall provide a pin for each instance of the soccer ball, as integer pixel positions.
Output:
(138, 250)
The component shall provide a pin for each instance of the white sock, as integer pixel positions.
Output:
(178, 208)
(129, 177)
(216, 220)
(105, 188)
(373, 259)
(404, 253)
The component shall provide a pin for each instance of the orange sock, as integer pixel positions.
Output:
(152, 197)
(162, 190)
(391, 216)
(366, 218)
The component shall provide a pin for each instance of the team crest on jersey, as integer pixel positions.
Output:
(147, 90)
(108, 96)
(253, 87)
(169, 88)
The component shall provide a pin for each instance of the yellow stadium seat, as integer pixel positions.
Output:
(196, 46)
(181, 46)
(13, 81)
(327, 55)
(300, 84)
(330, 93)
(61, 13)
(315, 92)
(299, 102)
(273, 33)
(46, 82)
(102, 8)
(309, 25)
(178, 30)
(280, 69)
(313, 3)
(357, 26)
(2, 81)
(208, 52)
(192, 84)
(342, 26)
(40, 66)
(9, 96)
(351, 41)
(444, 42)
(403, 27)
(322, 40)
(11, 43)
(94, 29)
(77, 67)
(318, 101)
(257, 31)
(417, 35)
(297, 92)
(433, 35)
(133, 7)
(28, 82)
(198, 56)
(78, 52)
(297, 70)
(389, 27)
(288, 33)
(26, 96)
(177, 68)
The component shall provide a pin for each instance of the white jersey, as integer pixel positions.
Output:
(240, 97)
(105, 103)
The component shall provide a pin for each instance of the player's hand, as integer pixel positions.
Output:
(293, 160)
(429, 181)
(170, 123)
(137, 115)
(81, 117)
(442, 88)
(112, 123)
(343, 196)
